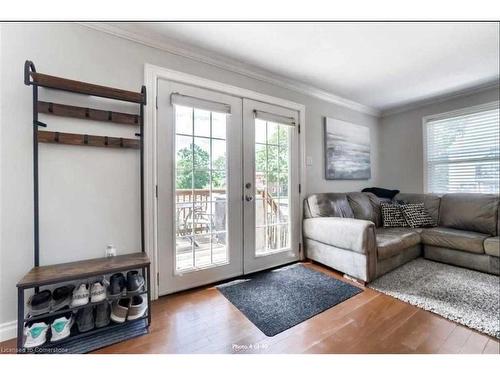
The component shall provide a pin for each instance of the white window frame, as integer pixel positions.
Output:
(454, 113)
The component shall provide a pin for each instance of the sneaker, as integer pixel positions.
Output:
(36, 334)
(61, 327)
(135, 282)
(80, 296)
(120, 310)
(116, 285)
(62, 297)
(102, 312)
(97, 292)
(39, 303)
(85, 319)
(138, 307)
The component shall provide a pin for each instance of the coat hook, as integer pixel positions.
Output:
(38, 123)
(106, 141)
(110, 116)
(121, 142)
(87, 112)
(51, 107)
(56, 138)
(86, 139)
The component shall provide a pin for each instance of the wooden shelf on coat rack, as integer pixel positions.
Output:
(64, 110)
(64, 84)
(86, 140)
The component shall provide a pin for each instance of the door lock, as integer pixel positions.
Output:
(248, 185)
(248, 198)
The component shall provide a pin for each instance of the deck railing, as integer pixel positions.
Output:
(204, 210)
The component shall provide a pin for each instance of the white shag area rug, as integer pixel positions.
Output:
(467, 297)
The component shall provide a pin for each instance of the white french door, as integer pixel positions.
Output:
(199, 186)
(271, 192)
(227, 178)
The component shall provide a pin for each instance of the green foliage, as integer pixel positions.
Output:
(219, 173)
(274, 159)
(201, 163)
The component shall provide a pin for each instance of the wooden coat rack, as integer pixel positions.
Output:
(50, 274)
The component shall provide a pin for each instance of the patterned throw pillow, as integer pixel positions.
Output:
(392, 215)
(416, 215)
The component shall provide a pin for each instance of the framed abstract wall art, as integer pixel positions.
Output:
(347, 151)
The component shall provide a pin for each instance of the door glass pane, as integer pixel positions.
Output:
(201, 123)
(272, 198)
(277, 237)
(200, 191)
(218, 125)
(260, 131)
(184, 120)
(201, 153)
(219, 249)
(218, 155)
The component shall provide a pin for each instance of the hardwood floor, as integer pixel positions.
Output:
(203, 321)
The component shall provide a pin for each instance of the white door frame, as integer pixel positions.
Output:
(151, 75)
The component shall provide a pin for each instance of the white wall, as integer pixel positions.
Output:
(401, 141)
(89, 198)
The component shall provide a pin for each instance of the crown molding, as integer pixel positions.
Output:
(441, 98)
(234, 67)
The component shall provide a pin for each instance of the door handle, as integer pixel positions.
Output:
(248, 198)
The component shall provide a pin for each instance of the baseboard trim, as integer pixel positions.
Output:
(8, 330)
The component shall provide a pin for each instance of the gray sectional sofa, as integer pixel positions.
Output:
(344, 231)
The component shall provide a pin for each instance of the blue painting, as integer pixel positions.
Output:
(347, 151)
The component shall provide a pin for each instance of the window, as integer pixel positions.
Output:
(272, 175)
(461, 151)
(200, 184)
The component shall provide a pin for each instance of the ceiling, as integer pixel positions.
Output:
(382, 65)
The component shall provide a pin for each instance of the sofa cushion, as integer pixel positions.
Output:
(327, 205)
(454, 239)
(392, 241)
(416, 215)
(470, 212)
(431, 202)
(365, 206)
(392, 216)
(349, 234)
(492, 246)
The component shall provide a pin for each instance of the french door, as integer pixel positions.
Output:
(271, 195)
(227, 186)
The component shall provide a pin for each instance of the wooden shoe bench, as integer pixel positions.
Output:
(47, 275)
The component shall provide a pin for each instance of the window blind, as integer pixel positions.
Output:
(266, 116)
(207, 105)
(463, 151)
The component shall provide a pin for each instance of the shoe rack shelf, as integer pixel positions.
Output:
(58, 273)
(61, 344)
(76, 340)
(74, 271)
(48, 275)
(29, 318)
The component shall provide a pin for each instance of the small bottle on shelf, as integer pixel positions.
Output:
(110, 251)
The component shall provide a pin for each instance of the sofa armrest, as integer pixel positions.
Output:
(345, 233)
